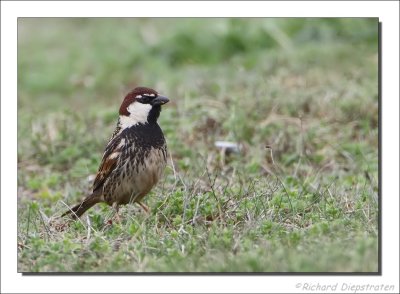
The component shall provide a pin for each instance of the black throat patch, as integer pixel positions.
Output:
(154, 113)
(145, 136)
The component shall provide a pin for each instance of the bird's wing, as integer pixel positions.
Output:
(109, 161)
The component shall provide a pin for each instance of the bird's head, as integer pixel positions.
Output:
(141, 105)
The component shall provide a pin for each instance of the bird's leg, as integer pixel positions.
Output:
(145, 207)
(115, 206)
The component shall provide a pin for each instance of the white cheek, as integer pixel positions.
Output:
(138, 114)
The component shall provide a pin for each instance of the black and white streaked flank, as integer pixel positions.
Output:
(135, 156)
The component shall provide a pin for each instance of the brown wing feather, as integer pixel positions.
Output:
(106, 167)
(108, 163)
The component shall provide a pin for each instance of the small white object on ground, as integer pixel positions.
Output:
(228, 146)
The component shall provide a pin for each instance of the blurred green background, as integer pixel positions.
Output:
(66, 58)
(308, 88)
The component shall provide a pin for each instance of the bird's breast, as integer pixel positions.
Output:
(141, 174)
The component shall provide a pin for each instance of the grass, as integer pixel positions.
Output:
(305, 88)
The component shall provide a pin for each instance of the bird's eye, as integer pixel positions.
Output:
(145, 98)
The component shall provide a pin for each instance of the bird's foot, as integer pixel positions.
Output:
(145, 207)
(115, 218)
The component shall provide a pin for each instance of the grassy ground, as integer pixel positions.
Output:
(307, 89)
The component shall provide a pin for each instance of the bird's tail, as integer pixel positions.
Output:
(81, 208)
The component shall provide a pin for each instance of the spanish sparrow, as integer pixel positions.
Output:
(135, 156)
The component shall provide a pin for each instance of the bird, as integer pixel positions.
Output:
(135, 156)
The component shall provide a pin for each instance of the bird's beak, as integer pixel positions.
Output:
(160, 100)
